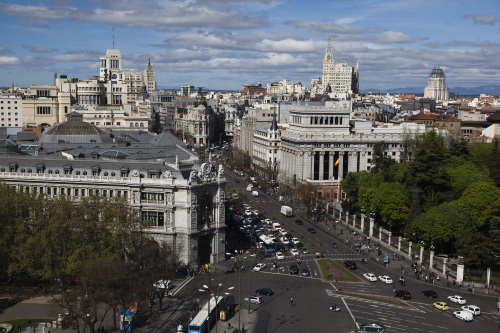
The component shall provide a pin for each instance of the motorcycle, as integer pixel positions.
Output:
(364, 261)
(335, 308)
(275, 265)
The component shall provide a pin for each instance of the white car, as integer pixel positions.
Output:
(283, 232)
(268, 221)
(463, 315)
(385, 279)
(259, 267)
(254, 299)
(284, 240)
(280, 255)
(248, 212)
(294, 252)
(370, 277)
(295, 241)
(457, 299)
(475, 310)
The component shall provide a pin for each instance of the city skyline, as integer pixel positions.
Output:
(224, 44)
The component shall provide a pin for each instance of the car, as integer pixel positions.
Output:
(404, 294)
(264, 291)
(430, 293)
(305, 271)
(475, 310)
(299, 245)
(284, 240)
(311, 230)
(282, 248)
(294, 252)
(283, 232)
(457, 299)
(304, 250)
(463, 315)
(370, 277)
(248, 212)
(350, 264)
(259, 267)
(372, 327)
(268, 221)
(385, 279)
(280, 256)
(288, 236)
(254, 299)
(299, 222)
(236, 180)
(295, 240)
(441, 306)
(294, 269)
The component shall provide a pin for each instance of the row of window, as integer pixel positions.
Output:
(75, 192)
(8, 102)
(8, 108)
(68, 171)
(43, 110)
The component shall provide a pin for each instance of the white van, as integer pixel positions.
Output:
(255, 193)
(249, 188)
(277, 226)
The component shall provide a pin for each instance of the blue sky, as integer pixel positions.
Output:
(224, 44)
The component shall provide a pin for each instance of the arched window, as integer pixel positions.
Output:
(77, 172)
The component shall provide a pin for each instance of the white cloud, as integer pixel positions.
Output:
(8, 60)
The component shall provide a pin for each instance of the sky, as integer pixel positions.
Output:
(224, 44)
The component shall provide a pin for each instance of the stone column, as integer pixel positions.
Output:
(362, 223)
(421, 254)
(380, 235)
(347, 219)
(431, 260)
(321, 164)
(389, 239)
(354, 221)
(444, 266)
(488, 276)
(399, 244)
(409, 249)
(370, 233)
(340, 216)
(331, 162)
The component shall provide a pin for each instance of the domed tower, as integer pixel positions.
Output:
(200, 99)
(437, 86)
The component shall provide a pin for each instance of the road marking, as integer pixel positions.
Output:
(347, 307)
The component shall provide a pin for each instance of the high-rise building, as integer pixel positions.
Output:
(437, 86)
(339, 78)
(149, 77)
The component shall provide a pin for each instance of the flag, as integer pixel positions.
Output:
(338, 161)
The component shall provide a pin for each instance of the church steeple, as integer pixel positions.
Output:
(328, 53)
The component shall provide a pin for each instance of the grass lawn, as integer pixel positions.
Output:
(332, 271)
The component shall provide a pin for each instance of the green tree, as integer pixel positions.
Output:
(463, 173)
(476, 249)
(390, 204)
(381, 162)
(494, 163)
(478, 198)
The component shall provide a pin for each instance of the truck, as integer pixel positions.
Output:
(286, 210)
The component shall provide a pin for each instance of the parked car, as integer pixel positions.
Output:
(264, 291)
(254, 299)
(259, 267)
(351, 264)
(430, 293)
(305, 271)
(404, 294)
(457, 299)
(385, 279)
(463, 315)
(294, 269)
(370, 277)
(372, 327)
(475, 310)
(441, 306)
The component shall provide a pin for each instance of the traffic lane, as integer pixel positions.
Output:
(311, 309)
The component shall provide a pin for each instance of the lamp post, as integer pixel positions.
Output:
(239, 286)
(216, 296)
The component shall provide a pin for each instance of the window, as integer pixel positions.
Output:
(153, 218)
(76, 192)
(42, 93)
(43, 110)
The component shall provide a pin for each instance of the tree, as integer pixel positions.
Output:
(478, 198)
(381, 162)
(463, 173)
(477, 250)
(494, 163)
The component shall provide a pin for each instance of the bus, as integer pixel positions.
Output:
(268, 244)
(206, 316)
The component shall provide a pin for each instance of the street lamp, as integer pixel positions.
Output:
(239, 287)
(216, 295)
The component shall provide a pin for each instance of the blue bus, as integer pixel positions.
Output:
(200, 322)
(268, 244)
